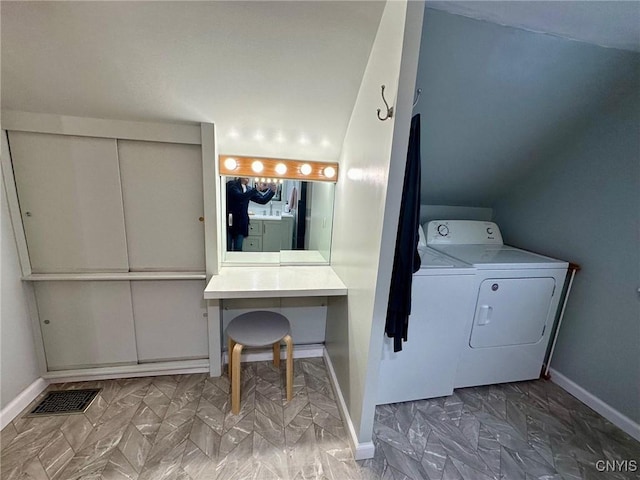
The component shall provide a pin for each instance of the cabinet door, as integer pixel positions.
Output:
(71, 202)
(252, 244)
(286, 243)
(170, 319)
(163, 201)
(271, 235)
(255, 228)
(86, 324)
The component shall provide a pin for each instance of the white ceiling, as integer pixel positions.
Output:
(614, 24)
(277, 78)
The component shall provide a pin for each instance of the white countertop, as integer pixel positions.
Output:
(257, 216)
(276, 281)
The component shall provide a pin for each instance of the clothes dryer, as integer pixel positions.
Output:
(442, 302)
(516, 300)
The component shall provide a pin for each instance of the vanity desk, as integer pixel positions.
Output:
(244, 282)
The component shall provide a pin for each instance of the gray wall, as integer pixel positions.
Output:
(582, 204)
(496, 100)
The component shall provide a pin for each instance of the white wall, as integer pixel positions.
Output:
(18, 360)
(366, 211)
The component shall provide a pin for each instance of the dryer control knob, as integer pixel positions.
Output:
(443, 230)
(490, 230)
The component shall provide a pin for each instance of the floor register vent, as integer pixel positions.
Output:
(65, 402)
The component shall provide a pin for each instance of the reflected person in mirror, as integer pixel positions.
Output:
(239, 194)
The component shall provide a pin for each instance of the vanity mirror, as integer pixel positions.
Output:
(292, 226)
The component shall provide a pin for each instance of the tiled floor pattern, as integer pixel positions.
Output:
(181, 428)
(518, 431)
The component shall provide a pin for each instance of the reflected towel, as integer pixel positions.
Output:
(293, 198)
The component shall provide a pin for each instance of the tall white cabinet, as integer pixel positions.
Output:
(113, 232)
(71, 202)
(162, 194)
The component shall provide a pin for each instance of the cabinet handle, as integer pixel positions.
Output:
(46, 322)
(28, 214)
(201, 219)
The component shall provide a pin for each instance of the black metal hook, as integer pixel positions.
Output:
(389, 109)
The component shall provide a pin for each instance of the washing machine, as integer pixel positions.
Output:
(442, 302)
(516, 295)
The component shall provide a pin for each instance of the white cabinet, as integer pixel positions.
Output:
(70, 201)
(170, 320)
(271, 235)
(255, 228)
(86, 324)
(98, 211)
(253, 242)
(163, 204)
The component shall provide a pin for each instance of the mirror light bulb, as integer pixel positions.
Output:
(305, 169)
(329, 172)
(257, 166)
(230, 164)
(281, 169)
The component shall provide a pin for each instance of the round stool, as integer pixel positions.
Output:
(257, 329)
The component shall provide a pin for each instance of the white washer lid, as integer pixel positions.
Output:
(499, 257)
(432, 262)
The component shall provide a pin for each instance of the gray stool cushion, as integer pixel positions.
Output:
(257, 329)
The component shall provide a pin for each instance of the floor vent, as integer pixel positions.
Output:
(65, 402)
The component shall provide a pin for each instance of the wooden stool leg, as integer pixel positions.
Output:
(276, 354)
(229, 352)
(235, 379)
(289, 341)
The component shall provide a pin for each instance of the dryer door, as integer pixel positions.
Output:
(511, 311)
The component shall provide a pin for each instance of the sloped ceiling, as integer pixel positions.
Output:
(498, 101)
(277, 78)
(614, 24)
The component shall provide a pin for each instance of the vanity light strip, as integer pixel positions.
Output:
(272, 168)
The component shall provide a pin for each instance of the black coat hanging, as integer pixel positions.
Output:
(406, 260)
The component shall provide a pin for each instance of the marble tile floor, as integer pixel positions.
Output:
(517, 431)
(181, 428)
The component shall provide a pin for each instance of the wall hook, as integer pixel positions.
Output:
(418, 92)
(389, 109)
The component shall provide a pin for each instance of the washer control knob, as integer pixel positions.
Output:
(494, 287)
(490, 230)
(443, 230)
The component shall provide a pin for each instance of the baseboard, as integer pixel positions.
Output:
(361, 450)
(179, 367)
(607, 411)
(22, 401)
(262, 355)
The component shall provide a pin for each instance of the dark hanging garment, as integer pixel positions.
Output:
(406, 259)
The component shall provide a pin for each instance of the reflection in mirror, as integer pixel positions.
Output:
(289, 222)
